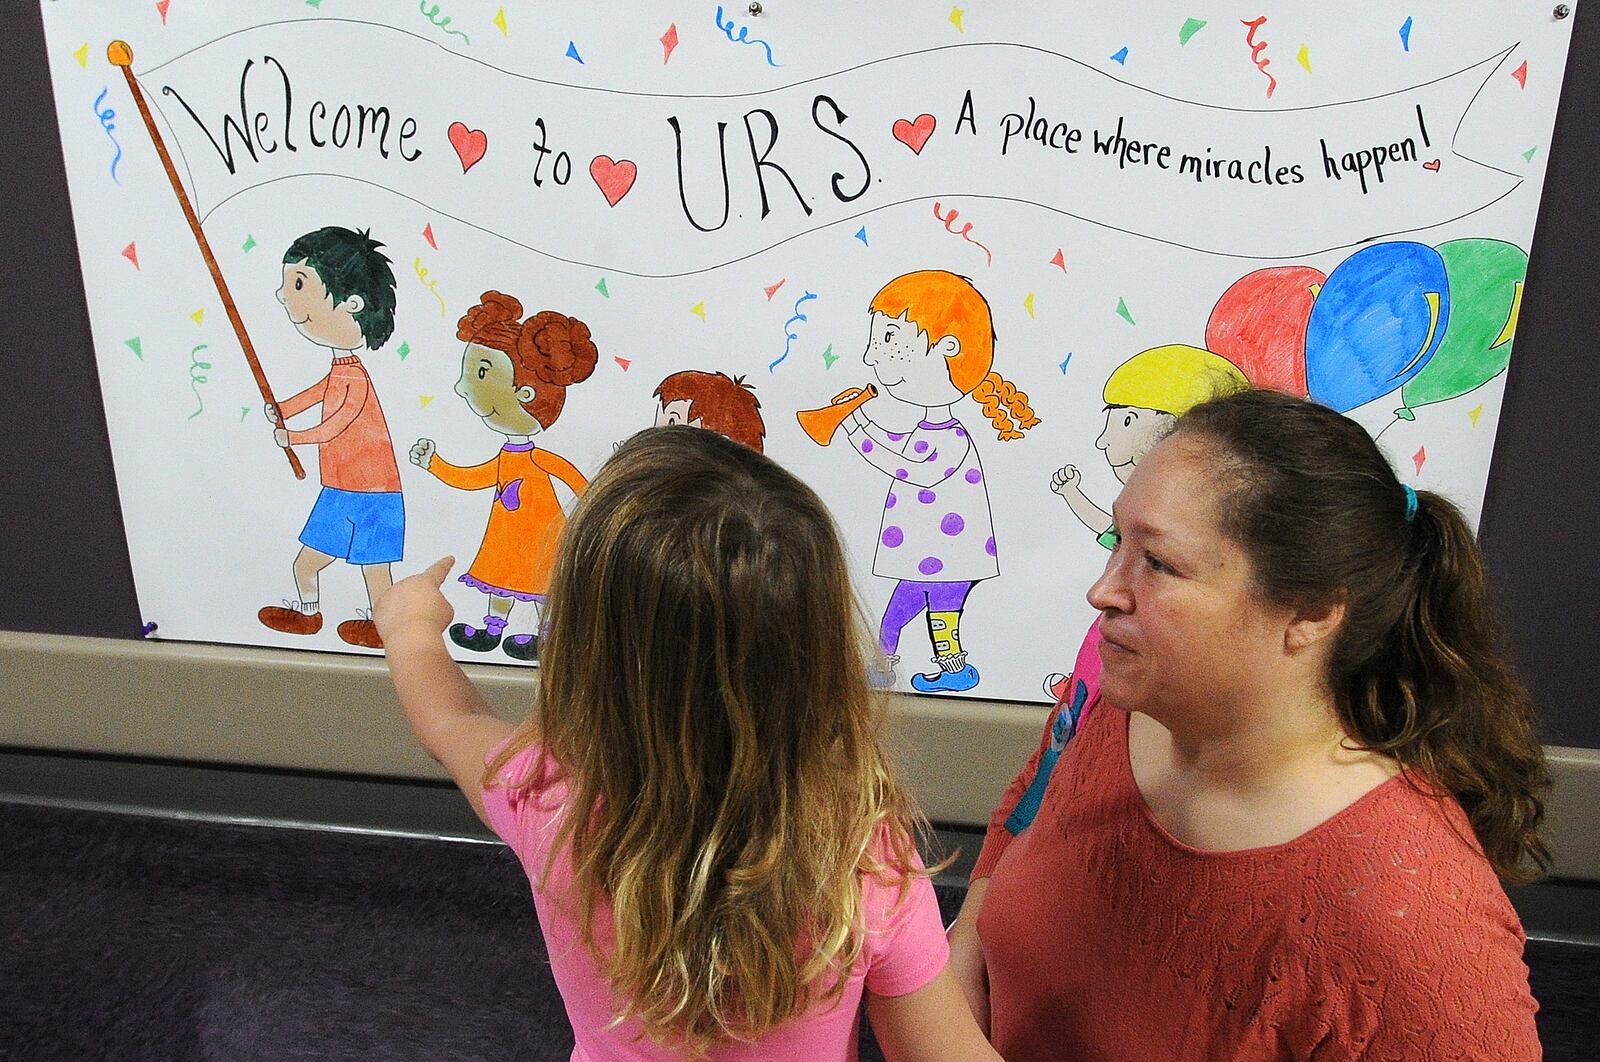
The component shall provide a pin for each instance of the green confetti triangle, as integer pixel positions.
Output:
(244, 411)
(1122, 312)
(602, 289)
(249, 244)
(404, 351)
(1190, 28)
(1529, 153)
(314, 3)
(137, 348)
(829, 357)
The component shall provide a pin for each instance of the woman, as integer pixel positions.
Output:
(1282, 836)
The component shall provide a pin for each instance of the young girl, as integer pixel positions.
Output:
(720, 856)
(515, 375)
(932, 343)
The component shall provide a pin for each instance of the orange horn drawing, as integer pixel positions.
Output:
(821, 424)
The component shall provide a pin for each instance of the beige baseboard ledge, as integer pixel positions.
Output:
(336, 713)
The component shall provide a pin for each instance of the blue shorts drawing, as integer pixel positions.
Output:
(362, 527)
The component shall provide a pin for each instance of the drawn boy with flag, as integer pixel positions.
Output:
(339, 292)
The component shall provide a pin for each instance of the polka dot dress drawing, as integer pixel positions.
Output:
(932, 344)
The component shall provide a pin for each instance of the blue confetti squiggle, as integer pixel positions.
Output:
(106, 116)
(789, 337)
(744, 36)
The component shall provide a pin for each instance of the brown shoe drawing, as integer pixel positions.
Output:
(290, 620)
(362, 632)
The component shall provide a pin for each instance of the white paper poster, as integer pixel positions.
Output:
(473, 246)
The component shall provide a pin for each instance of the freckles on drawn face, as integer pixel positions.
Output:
(488, 383)
(909, 370)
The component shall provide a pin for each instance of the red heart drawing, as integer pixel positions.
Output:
(1434, 165)
(613, 178)
(470, 144)
(915, 134)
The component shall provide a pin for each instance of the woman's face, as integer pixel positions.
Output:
(1185, 633)
(488, 383)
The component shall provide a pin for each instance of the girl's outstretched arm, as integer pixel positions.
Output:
(931, 1024)
(447, 714)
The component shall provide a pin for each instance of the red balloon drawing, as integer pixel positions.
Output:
(1259, 324)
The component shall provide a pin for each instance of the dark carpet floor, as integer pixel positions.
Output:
(143, 938)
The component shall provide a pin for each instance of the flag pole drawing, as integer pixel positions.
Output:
(121, 55)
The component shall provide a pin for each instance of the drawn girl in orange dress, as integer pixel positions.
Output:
(515, 375)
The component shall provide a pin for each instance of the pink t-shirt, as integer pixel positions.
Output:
(904, 950)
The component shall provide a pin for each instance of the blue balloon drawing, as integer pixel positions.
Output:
(1376, 322)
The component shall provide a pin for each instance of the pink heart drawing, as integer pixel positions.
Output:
(613, 178)
(470, 144)
(915, 134)
(1434, 165)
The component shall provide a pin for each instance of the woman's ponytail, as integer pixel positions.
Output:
(1417, 669)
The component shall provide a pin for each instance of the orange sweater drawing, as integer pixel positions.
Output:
(519, 544)
(353, 438)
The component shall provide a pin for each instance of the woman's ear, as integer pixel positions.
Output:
(525, 394)
(949, 346)
(1313, 625)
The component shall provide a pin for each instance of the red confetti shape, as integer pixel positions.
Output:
(1060, 260)
(427, 234)
(1419, 458)
(1521, 74)
(131, 253)
(669, 41)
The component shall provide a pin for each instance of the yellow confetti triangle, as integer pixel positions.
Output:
(1028, 304)
(1304, 58)
(500, 21)
(699, 310)
(955, 19)
(425, 400)
(1475, 413)
(199, 316)
(82, 56)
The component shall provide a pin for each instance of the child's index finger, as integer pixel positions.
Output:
(441, 568)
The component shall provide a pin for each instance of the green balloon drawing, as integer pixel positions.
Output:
(1486, 278)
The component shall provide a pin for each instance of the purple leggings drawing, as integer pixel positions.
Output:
(910, 599)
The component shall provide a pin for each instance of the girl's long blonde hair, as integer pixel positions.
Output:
(703, 692)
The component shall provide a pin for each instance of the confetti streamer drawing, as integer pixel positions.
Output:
(197, 376)
(790, 337)
(443, 23)
(1256, 48)
(431, 284)
(744, 36)
(949, 221)
(107, 116)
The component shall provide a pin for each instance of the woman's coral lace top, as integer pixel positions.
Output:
(1380, 934)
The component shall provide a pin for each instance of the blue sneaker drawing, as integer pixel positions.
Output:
(946, 681)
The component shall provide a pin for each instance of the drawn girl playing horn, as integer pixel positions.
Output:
(932, 343)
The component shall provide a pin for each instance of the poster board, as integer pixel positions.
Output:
(856, 189)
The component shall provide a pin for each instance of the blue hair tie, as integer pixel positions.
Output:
(1411, 502)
